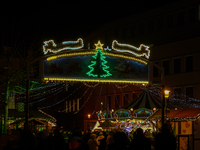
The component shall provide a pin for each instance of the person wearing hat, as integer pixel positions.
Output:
(102, 141)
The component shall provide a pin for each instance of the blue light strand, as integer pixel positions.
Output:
(116, 96)
(85, 101)
(76, 103)
(61, 100)
(46, 97)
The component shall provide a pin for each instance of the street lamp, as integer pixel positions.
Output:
(88, 120)
(113, 115)
(166, 98)
(131, 112)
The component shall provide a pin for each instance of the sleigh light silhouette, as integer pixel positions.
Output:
(50, 46)
(143, 50)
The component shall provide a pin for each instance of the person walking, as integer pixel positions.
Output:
(140, 142)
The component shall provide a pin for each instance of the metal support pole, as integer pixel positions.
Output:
(163, 105)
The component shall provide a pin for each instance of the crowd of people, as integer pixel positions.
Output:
(97, 140)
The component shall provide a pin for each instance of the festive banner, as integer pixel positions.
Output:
(77, 67)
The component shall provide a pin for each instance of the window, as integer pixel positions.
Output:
(132, 30)
(116, 34)
(134, 96)
(155, 70)
(124, 33)
(117, 100)
(141, 28)
(166, 67)
(189, 64)
(181, 18)
(177, 65)
(150, 25)
(189, 92)
(126, 99)
(160, 23)
(192, 15)
(109, 102)
(170, 20)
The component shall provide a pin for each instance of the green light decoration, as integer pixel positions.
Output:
(98, 67)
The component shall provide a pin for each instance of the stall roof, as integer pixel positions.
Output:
(146, 100)
(184, 114)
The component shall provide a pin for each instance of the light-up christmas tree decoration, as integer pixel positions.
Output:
(98, 67)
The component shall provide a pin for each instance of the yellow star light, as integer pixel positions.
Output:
(99, 45)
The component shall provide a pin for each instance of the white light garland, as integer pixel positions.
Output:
(127, 46)
(67, 47)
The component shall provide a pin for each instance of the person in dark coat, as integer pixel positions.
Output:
(140, 142)
(165, 140)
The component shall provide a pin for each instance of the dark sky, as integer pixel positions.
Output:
(64, 20)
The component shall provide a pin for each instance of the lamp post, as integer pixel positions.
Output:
(166, 98)
(165, 95)
(88, 121)
(131, 112)
(113, 115)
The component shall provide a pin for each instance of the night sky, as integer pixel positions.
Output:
(68, 20)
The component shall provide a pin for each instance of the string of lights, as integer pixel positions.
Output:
(116, 96)
(123, 94)
(61, 100)
(75, 103)
(90, 85)
(85, 101)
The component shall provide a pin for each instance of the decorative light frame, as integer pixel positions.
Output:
(64, 48)
(133, 47)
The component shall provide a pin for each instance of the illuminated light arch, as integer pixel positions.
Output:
(143, 50)
(95, 80)
(117, 77)
(92, 53)
(50, 46)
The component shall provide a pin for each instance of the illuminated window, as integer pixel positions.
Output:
(166, 67)
(177, 65)
(189, 64)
